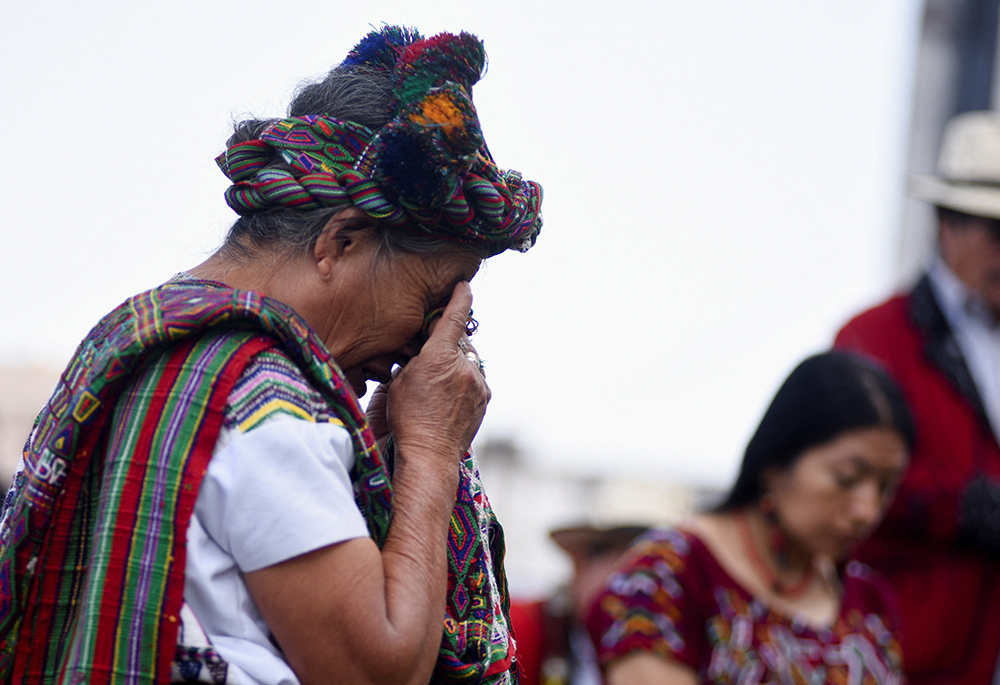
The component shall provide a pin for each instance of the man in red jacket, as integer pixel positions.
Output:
(940, 541)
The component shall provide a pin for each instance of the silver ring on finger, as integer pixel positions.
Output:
(477, 362)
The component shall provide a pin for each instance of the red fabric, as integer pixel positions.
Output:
(671, 597)
(527, 621)
(31, 660)
(39, 615)
(195, 470)
(949, 596)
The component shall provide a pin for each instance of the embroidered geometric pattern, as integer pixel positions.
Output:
(195, 660)
(101, 586)
(92, 555)
(272, 385)
(670, 597)
(477, 645)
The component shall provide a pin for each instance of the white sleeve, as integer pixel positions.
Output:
(280, 490)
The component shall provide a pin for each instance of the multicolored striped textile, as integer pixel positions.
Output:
(427, 171)
(272, 385)
(92, 538)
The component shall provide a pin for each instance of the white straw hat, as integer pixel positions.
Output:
(619, 510)
(968, 167)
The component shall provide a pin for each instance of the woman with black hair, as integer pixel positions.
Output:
(757, 590)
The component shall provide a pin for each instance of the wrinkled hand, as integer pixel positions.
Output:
(436, 403)
(378, 420)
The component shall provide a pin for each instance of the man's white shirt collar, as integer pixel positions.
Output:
(977, 332)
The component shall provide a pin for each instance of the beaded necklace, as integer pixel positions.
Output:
(763, 567)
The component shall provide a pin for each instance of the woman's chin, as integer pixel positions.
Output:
(842, 549)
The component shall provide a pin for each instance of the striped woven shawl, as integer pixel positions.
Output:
(92, 544)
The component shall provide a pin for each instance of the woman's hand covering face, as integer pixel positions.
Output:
(370, 307)
(437, 401)
(352, 612)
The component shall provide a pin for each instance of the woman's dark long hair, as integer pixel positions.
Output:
(825, 396)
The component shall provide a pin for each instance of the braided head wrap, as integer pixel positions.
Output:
(427, 171)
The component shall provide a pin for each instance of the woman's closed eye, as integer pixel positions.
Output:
(846, 480)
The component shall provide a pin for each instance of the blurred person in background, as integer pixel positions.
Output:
(758, 590)
(553, 646)
(203, 499)
(939, 544)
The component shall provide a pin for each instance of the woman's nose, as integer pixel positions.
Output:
(867, 503)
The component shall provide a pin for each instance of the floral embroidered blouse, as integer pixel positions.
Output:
(671, 597)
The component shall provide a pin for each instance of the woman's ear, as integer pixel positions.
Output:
(773, 481)
(345, 235)
(768, 480)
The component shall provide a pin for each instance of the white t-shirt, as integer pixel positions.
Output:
(271, 494)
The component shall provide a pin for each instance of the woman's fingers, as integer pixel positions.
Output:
(451, 327)
(378, 420)
(440, 396)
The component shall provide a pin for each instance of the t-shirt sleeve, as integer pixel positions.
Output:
(279, 491)
(648, 604)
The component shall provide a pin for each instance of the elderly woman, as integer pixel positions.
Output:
(757, 591)
(203, 499)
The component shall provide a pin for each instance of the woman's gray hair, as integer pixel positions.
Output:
(363, 96)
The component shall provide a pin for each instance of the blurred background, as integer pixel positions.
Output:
(724, 179)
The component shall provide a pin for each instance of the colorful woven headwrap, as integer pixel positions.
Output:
(427, 171)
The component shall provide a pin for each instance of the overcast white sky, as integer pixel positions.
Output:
(723, 183)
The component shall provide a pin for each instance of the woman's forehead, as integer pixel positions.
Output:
(441, 271)
(874, 447)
